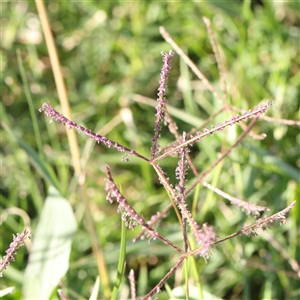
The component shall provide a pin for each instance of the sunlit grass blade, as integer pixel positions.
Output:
(95, 292)
(40, 165)
(121, 262)
(32, 109)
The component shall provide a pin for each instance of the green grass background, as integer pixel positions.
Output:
(109, 52)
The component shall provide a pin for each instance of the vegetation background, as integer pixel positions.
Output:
(110, 53)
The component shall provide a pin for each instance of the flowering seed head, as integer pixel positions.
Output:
(129, 215)
(164, 74)
(51, 112)
(18, 241)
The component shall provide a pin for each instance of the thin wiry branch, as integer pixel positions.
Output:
(157, 288)
(220, 64)
(250, 208)
(187, 60)
(204, 235)
(283, 252)
(281, 121)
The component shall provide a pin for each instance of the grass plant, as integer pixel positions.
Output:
(199, 181)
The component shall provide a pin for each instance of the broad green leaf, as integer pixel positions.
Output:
(49, 258)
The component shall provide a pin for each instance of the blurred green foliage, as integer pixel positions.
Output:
(109, 52)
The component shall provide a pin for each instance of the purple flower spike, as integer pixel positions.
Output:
(265, 221)
(129, 215)
(18, 241)
(164, 74)
(206, 238)
(51, 112)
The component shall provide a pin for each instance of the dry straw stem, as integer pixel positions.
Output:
(73, 145)
(187, 60)
(59, 81)
(222, 73)
(281, 121)
(293, 263)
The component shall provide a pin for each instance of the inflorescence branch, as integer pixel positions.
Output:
(161, 101)
(255, 113)
(130, 216)
(262, 223)
(204, 236)
(18, 241)
(56, 116)
(265, 221)
(157, 288)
